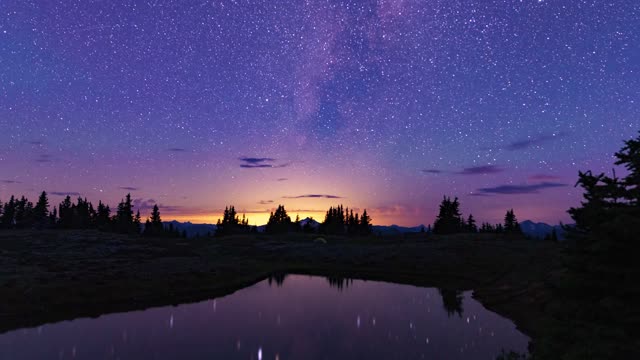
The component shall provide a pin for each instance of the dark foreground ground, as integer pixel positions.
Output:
(51, 276)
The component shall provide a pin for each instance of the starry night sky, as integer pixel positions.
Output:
(387, 105)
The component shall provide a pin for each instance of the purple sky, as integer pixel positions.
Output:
(387, 105)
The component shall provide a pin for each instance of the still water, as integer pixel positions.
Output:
(285, 317)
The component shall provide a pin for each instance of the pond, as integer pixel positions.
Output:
(286, 317)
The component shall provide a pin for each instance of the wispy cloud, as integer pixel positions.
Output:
(129, 188)
(314, 196)
(481, 170)
(10, 182)
(533, 141)
(432, 171)
(265, 202)
(260, 163)
(144, 205)
(43, 158)
(519, 189)
(256, 160)
(282, 179)
(176, 149)
(64, 193)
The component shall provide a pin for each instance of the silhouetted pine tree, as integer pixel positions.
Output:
(297, 227)
(335, 221)
(153, 226)
(65, 212)
(449, 219)
(41, 212)
(24, 213)
(124, 217)
(8, 214)
(103, 217)
(511, 224)
(279, 222)
(365, 224)
(471, 224)
(137, 221)
(604, 240)
(231, 224)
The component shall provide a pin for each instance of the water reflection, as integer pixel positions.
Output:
(339, 283)
(285, 317)
(452, 301)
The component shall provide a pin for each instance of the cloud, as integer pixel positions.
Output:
(144, 204)
(43, 158)
(64, 193)
(260, 163)
(176, 149)
(265, 202)
(432, 171)
(253, 166)
(519, 189)
(129, 188)
(252, 160)
(282, 179)
(543, 177)
(10, 182)
(36, 142)
(313, 196)
(533, 140)
(481, 170)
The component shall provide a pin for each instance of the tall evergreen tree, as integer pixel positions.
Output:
(24, 213)
(103, 217)
(605, 236)
(231, 223)
(449, 219)
(511, 224)
(279, 222)
(471, 224)
(8, 213)
(65, 212)
(154, 226)
(137, 223)
(124, 217)
(41, 211)
(365, 224)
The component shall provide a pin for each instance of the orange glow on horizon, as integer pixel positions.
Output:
(255, 218)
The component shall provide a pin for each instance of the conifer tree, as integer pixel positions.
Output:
(124, 217)
(471, 224)
(365, 224)
(154, 226)
(511, 224)
(449, 219)
(604, 241)
(8, 213)
(279, 222)
(137, 223)
(41, 211)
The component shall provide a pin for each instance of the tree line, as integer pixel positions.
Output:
(338, 221)
(23, 214)
(451, 221)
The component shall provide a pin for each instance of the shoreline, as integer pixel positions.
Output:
(64, 275)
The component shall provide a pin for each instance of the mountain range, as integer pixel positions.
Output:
(533, 229)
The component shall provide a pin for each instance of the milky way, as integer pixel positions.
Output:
(387, 105)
